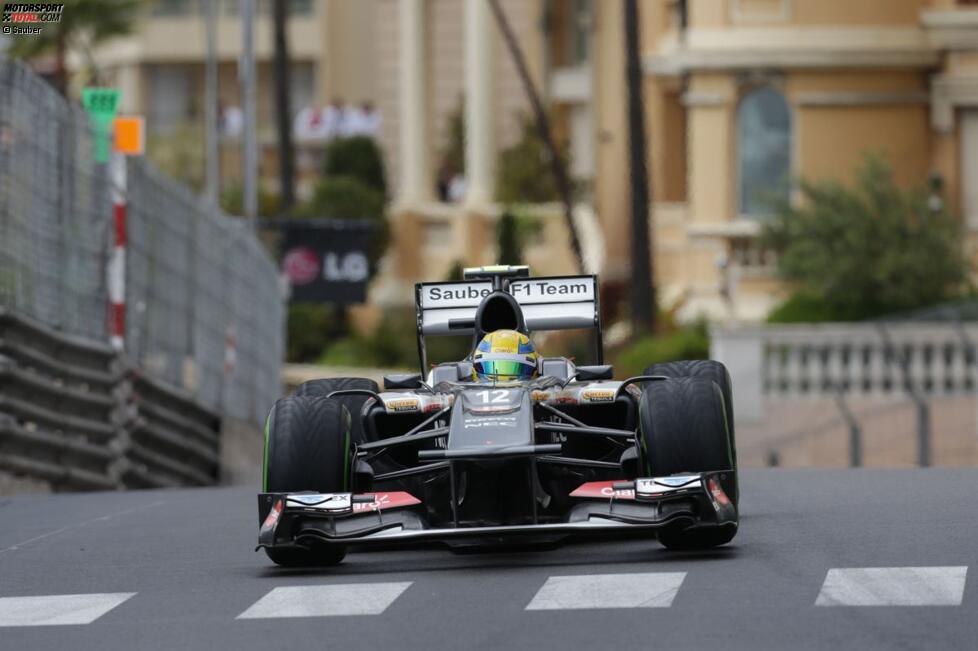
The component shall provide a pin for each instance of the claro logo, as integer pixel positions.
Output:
(303, 266)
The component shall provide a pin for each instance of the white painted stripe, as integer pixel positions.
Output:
(651, 590)
(893, 586)
(57, 610)
(326, 600)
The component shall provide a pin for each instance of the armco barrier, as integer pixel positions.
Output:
(75, 415)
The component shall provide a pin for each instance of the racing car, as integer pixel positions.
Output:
(503, 447)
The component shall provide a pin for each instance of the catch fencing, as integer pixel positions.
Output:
(204, 334)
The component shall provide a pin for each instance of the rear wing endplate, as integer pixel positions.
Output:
(548, 303)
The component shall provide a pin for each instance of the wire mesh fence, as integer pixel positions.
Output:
(204, 306)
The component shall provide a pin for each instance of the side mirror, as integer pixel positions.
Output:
(601, 372)
(402, 381)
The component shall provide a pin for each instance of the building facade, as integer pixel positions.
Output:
(161, 70)
(741, 97)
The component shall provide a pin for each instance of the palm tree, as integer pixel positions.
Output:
(84, 24)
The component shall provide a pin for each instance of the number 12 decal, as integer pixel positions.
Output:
(497, 396)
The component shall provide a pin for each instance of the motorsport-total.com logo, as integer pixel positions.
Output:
(26, 17)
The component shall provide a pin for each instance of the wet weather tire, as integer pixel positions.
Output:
(307, 448)
(683, 429)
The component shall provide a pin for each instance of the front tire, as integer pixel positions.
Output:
(682, 423)
(307, 448)
(354, 403)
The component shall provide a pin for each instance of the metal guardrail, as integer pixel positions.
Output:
(78, 416)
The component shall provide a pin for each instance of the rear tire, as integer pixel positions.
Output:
(307, 448)
(354, 404)
(682, 423)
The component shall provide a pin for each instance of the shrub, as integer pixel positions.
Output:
(867, 249)
(524, 169)
(357, 157)
(803, 307)
(686, 343)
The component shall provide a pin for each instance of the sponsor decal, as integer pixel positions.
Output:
(598, 395)
(680, 480)
(273, 515)
(454, 294)
(603, 490)
(403, 405)
(383, 501)
(716, 492)
(666, 484)
(489, 421)
(539, 396)
(321, 501)
(553, 290)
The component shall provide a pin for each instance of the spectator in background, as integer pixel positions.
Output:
(232, 121)
(456, 188)
(335, 116)
(363, 120)
(310, 124)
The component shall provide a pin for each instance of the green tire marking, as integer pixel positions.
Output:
(346, 453)
(264, 472)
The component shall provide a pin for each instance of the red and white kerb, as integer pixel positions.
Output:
(117, 262)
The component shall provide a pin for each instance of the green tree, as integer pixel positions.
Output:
(866, 249)
(524, 169)
(512, 234)
(357, 157)
(84, 25)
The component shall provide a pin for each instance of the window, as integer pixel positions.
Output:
(171, 97)
(764, 150)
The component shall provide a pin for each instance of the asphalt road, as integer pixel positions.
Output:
(176, 570)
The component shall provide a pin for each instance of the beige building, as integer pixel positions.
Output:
(741, 95)
(160, 68)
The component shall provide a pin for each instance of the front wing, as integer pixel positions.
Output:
(645, 504)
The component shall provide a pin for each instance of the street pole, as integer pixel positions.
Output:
(643, 299)
(213, 182)
(283, 109)
(250, 135)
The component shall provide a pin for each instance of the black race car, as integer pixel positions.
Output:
(436, 456)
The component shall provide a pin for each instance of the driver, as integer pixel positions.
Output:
(504, 356)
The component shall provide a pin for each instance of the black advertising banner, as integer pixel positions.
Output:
(327, 260)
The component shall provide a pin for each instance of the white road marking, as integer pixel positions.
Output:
(893, 586)
(326, 600)
(101, 518)
(651, 590)
(58, 610)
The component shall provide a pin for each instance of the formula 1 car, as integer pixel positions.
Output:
(437, 456)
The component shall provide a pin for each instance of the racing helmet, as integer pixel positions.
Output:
(504, 356)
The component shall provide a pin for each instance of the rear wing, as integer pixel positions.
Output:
(548, 303)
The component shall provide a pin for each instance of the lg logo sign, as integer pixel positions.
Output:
(350, 268)
(302, 265)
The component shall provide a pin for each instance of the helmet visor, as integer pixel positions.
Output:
(504, 370)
